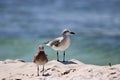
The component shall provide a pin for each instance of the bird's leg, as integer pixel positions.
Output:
(110, 64)
(43, 71)
(64, 56)
(37, 70)
(57, 56)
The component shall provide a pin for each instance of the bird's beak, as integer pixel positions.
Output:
(72, 33)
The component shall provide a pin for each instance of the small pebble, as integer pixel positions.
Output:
(3, 79)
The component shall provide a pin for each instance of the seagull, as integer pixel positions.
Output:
(61, 43)
(40, 59)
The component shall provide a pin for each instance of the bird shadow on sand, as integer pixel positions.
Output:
(46, 75)
(68, 62)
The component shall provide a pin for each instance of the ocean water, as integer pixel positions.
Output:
(25, 24)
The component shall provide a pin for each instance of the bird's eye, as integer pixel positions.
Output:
(66, 31)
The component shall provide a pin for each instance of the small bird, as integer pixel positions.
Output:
(40, 59)
(61, 43)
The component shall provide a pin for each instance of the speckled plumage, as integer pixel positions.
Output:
(40, 59)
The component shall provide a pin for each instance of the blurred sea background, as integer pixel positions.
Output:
(25, 24)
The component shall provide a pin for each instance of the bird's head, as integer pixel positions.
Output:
(67, 32)
(41, 48)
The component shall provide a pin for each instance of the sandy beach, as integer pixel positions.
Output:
(54, 70)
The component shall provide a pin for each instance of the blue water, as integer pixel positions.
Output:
(25, 24)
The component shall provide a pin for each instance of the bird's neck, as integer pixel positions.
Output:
(41, 51)
(65, 35)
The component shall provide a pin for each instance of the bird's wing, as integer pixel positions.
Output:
(56, 41)
(34, 57)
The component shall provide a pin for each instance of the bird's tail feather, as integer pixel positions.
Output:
(47, 43)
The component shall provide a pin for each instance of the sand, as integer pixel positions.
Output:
(54, 70)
